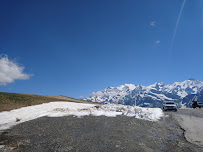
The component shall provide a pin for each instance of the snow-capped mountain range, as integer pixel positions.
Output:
(149, 96)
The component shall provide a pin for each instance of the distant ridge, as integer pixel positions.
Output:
(150, 96)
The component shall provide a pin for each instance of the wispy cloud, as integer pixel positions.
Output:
(153, 23)
(11, 71)
(156, 43)
(177, 22)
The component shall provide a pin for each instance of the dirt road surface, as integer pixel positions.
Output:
(99, 134)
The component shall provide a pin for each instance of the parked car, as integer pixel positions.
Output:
(196, 104)
(169, 105)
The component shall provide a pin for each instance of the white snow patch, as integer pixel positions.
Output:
(131, 86)
(145, 103)
(182, 94)
(59, 109)
(182, 105)
(162, 96)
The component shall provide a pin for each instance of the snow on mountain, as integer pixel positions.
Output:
(184, 88)
(147, 96)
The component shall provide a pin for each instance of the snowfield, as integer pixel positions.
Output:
(60, 109)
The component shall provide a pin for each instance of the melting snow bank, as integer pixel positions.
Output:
(59, 109)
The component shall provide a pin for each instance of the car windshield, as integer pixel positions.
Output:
(170, 103)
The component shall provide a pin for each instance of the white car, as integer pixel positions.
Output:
(169, 105)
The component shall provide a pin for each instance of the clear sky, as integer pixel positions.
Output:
(76, 47)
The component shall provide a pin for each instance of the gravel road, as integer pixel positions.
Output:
(101, 134)
(191, 120)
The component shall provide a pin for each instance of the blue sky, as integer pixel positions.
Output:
(76, 47)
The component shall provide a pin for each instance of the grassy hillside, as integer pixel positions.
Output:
(10, 101)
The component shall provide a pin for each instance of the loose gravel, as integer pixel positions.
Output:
(97, 134)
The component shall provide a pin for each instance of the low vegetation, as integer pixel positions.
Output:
(10, 101)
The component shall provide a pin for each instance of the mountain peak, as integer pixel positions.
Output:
(129, 86)
(148, 96)
(191, 79)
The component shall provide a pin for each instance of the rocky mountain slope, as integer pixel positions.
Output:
(152, 95)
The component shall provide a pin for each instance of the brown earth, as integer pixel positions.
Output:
(10, 101)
